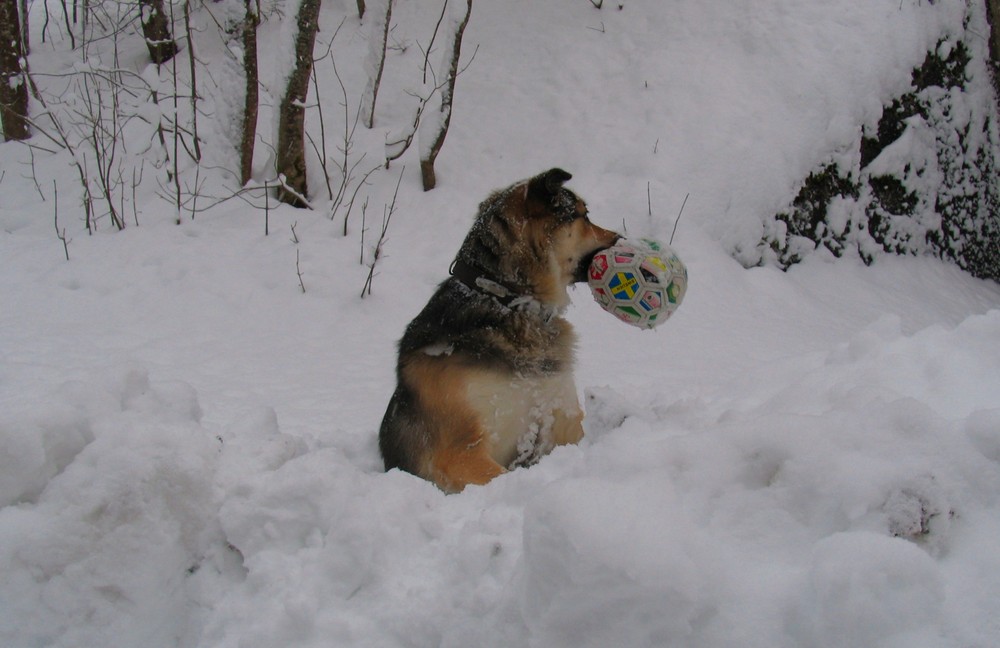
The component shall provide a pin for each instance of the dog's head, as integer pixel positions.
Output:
(535, 238)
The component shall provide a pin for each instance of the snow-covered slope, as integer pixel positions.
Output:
(810, 458)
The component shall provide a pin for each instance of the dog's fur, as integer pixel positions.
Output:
(485, 371)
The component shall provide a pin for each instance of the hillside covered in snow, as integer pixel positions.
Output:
(806, 455)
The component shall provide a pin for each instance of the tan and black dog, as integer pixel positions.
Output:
(485, 372)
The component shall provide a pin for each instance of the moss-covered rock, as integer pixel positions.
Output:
(809, 215)
(925, 181)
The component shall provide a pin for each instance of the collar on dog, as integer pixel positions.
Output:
(504, 294)
(476, 280)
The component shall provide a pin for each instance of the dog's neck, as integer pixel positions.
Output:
(507, 295)
(480, 281)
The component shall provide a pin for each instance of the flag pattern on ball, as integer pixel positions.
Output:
(640, 281)
(623, 285)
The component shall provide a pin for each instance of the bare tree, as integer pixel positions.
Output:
(291, 158)
(375, 62)
(156, 30)
(434, 126)
(13, 82)
(250, 102)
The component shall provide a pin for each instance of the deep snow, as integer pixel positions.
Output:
(801, 458)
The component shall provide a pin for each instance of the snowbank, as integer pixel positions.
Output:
(810, 458)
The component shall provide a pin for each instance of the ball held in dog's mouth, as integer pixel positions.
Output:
(640, 281)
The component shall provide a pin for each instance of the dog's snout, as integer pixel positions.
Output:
(603, 237)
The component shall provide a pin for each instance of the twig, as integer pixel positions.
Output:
(350, 205)
(34, 175)
(377, 252)
(194, 87)
(194, 195)
(427, 54)
(322, 135)
(60, 234)
(135, 183)
(298, 270)
(346, 168)
(678, 219)
(319, 106)
(295, 237)
(364, 215)
(177, 135)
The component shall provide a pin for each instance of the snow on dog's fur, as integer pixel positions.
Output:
(485, 371)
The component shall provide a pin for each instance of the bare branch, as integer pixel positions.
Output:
(377, 251)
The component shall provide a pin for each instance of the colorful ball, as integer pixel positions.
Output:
(639, 281)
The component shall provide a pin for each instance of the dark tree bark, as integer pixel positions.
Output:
(13, 82)
(291, 155)
(437, 128)
(156, 30)
(250, 103)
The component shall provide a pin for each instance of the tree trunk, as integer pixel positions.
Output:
(436, 125)
(291, 160)
(13, 84)
(993, 14)
(250, 102)
(375, 62)
(156, 30)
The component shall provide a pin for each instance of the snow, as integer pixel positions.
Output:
(808, 458)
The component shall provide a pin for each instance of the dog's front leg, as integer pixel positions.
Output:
(567, 415)
(567, 427)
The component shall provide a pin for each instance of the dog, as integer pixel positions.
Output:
(485, 370)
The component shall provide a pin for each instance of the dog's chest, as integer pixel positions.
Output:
(518, 412)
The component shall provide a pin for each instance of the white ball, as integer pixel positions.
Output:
(639, 281)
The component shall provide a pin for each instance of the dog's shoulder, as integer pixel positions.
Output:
(476, 328)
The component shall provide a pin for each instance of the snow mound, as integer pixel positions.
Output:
(102, 555)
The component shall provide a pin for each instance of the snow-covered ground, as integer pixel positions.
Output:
(188, 441)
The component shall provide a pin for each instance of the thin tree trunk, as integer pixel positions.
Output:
(195, 140)
(250, 103)
(437, 125)
(291, 156)
(375, 63)
(13, 84)
(993, 13)
(156, 30)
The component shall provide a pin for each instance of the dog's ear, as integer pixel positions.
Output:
(545, 186)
